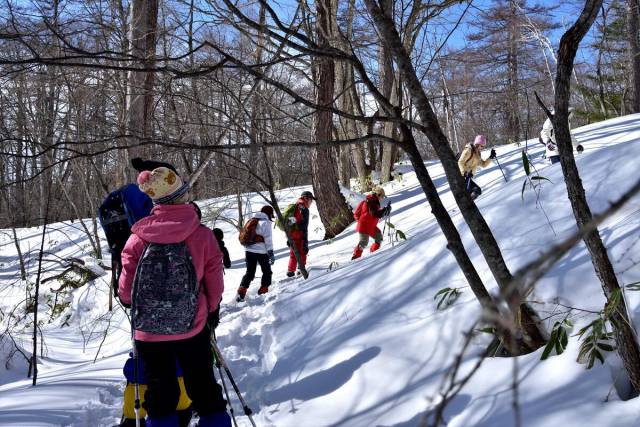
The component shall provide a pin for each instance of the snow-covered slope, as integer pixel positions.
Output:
(361, 343)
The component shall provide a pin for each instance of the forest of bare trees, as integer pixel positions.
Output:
(87, 85)
(255, 96)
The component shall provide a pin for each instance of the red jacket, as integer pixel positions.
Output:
(301, 215)
(367, 214)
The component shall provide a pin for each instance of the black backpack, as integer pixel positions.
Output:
(165, 290)
(118, 212)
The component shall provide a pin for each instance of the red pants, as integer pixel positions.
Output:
(293, 262)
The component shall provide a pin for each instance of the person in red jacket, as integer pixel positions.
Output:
(299, 233)
(368, 213)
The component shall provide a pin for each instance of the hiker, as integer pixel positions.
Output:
(548, 139)
(119, 211)
(219, 235)
(183, 409)
(172, 278)
(470, 160)
(368, 213)
(299, 224)
(258, 246)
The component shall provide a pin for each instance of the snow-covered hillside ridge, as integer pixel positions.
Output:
(360, 343)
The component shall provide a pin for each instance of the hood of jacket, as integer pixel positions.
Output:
(167, 224)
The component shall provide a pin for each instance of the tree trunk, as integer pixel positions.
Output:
(335, 214)
(143, 29)
(633, 18)
(390, 90)
(626, 338)
(513, 118)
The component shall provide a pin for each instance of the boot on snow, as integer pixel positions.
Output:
(242, 292)
(290, 273)
(263, 290)
(357, 252)
(375, 247)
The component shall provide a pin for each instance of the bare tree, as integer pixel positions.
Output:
(334, 211)
(633, 32)
(626, 338)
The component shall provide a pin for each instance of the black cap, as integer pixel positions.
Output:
(307, 195)
(149, 165)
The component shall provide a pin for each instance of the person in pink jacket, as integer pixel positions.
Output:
(174, 220)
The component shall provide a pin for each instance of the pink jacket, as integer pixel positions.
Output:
(173, 224)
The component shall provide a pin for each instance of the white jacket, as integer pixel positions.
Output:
(548, 136)
(262, 229)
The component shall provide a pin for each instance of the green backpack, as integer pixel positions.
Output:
(287, 215)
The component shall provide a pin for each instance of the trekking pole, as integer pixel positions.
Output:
(226, 390)
(245, 407)
(136, 375)
(503, 175)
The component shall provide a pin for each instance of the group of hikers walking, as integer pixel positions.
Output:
(169, 269)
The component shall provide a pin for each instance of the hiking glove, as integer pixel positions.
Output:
(272, 258)
(579, 148)
(214, 319)
(493, 154)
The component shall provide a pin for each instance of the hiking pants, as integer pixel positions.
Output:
(253, 259)
(471, 186)
(364, 239)
(293, 262)
(195, 356)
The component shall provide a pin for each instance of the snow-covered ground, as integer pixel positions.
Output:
(361, 343)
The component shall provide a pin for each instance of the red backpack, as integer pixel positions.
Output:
(248, 235)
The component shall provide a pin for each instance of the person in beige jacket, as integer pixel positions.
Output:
(469, 162)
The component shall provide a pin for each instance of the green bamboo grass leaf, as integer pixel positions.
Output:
(635, 286)
(540, 178)
(525, 163)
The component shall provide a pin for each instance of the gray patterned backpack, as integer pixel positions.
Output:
(165, 290)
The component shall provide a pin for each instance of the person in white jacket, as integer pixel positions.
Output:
(548, 139)
(260, 252)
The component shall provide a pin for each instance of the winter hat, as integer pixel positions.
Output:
(268, 210)
(378, 191)
(149, 165)
(162, 184)
(480, 140)
(307, 195)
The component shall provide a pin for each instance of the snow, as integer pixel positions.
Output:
(360, 343)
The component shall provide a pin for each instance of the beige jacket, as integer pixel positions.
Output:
(470, 160)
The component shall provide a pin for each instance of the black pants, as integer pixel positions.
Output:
(253, 259)
(195, 356)
(471, 186)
